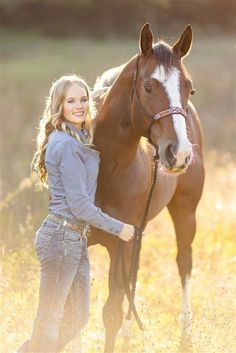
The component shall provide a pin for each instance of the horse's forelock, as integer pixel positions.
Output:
(165, 55)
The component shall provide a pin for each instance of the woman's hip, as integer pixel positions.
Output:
(56, 244)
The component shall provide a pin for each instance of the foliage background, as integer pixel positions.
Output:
(112, 18)
(41, 40)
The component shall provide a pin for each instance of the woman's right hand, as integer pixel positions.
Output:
(127, 232)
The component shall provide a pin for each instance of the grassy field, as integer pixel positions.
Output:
(29, 64)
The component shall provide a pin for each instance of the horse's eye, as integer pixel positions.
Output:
(193, 92)
(147, 89)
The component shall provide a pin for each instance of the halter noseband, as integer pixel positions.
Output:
(154, 117)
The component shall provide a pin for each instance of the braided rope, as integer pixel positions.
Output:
(137, 247)
(129, 280)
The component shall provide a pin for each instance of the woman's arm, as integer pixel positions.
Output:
(73, 175)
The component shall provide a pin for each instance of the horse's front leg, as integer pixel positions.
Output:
(185, 228)
(112, 310)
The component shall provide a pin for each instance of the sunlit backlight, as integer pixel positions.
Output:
(218, 205)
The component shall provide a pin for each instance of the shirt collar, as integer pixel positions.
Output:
(72, 127)
(83, 134)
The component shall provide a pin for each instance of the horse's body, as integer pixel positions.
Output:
(126, 168)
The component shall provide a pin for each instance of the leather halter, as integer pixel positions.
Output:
(154, 117)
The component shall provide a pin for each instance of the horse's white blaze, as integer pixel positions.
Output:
(170, 81)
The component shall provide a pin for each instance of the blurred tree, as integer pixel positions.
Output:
(113, 17)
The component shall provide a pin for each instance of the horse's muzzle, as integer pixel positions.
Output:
(175, 161)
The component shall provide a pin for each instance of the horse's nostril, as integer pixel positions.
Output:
(170, 155)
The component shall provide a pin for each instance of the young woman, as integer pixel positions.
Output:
(68, 164)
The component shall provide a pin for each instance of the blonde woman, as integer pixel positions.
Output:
(68, 165)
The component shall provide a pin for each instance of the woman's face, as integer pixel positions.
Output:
(76, 105)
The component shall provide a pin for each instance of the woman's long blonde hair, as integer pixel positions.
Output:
(53, 119)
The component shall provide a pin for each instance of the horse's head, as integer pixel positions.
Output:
(161, 89)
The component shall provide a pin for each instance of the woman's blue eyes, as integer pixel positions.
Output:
(82, 100)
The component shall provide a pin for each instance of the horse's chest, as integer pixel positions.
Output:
(129, 197)
(163, 193)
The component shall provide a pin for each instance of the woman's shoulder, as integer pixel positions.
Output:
(62, 143)
(61, 138)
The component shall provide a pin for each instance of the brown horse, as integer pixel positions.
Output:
(149, 100)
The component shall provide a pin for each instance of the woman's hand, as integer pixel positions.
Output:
(127, 232)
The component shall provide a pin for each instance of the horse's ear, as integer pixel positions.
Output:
(183, 45)
(146, 40)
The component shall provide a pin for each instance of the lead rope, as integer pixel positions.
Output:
(137, 243)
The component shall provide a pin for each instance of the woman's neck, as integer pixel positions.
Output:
(74, 126)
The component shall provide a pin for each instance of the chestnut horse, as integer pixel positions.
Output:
(149, 101)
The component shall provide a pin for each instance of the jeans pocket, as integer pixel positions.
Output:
(72, 246)
(42, 241)
(49, 226)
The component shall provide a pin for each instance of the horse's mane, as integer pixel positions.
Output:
(108, 77)
(162, 51)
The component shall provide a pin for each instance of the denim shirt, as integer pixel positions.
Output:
(72, 178)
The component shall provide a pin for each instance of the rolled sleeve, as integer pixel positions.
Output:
(73, 176)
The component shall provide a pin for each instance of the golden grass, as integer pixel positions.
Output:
(158, 295)
(30, 64)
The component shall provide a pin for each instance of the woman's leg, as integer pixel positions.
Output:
(59, 253)
(76, 310)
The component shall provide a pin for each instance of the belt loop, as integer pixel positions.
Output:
(60, 224)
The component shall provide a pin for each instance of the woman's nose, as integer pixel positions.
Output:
(78, 105)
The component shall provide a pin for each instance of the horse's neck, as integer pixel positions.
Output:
(114, 136)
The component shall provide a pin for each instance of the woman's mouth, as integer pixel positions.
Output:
(79, 114)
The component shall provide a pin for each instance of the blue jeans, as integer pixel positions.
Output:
(63, 307)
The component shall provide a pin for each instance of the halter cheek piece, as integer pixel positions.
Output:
(154, 117)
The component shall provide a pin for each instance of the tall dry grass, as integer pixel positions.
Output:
(29, 64)
(158, 290)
